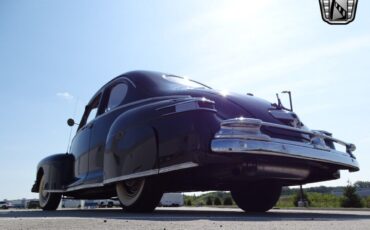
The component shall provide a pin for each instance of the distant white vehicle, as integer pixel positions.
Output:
(70, 203)
(4, 205)
(88, 204)
(172, 200)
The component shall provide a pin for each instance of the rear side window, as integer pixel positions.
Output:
(116, 96)
(92, 114)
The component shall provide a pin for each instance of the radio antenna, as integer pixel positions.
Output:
(280, 105)
(290, 99)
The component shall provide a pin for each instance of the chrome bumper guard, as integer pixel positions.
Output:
(243, 135)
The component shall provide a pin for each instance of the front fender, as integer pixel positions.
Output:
(58, 172)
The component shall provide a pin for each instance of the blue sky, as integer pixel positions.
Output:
(54, 55)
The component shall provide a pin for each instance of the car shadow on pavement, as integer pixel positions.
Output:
(192, 214)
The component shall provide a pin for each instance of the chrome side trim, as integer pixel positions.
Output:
(176, 97)
(84, 186)
(199, 109)
(152, 172)
(132, 176)
(186, 105)
(178, 167)
(79, 187)
(129, 176)
(191, 99)
(55, 190)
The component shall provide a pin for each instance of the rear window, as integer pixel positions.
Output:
(183, 83)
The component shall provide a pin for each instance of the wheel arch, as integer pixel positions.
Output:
(131, 146)
(58, 172)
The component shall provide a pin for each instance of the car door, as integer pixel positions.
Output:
(81, 142)
(113, 96)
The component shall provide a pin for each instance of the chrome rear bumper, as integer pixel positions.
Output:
(243, 135)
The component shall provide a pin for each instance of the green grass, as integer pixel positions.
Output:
(285, 202)
(317, 200)
(202, 199)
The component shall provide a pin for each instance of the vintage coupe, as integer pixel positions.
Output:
(145, 133)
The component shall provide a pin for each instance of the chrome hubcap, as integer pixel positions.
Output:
(129, 191)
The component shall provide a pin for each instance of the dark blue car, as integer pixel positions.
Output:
(145, 133)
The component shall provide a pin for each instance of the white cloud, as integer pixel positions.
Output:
(257, 73)
(65, 95)
(250, 43)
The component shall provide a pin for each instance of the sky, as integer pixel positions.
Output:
(54, 55)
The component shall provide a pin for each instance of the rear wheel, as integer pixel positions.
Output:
(139, 195)
(256, 197)
(48, 201)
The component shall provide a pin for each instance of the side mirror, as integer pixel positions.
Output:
(71, 122)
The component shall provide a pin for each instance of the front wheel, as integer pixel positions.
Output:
(48, 201)
(256, 197)
(139, 195)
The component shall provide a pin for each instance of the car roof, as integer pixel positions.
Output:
(136, 77)
(141, 78)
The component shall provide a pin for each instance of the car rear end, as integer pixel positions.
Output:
(274, 144)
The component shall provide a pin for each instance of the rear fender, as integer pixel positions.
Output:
(144, 140)
(131, 147)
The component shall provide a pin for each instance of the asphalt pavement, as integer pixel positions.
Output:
(185, 218)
